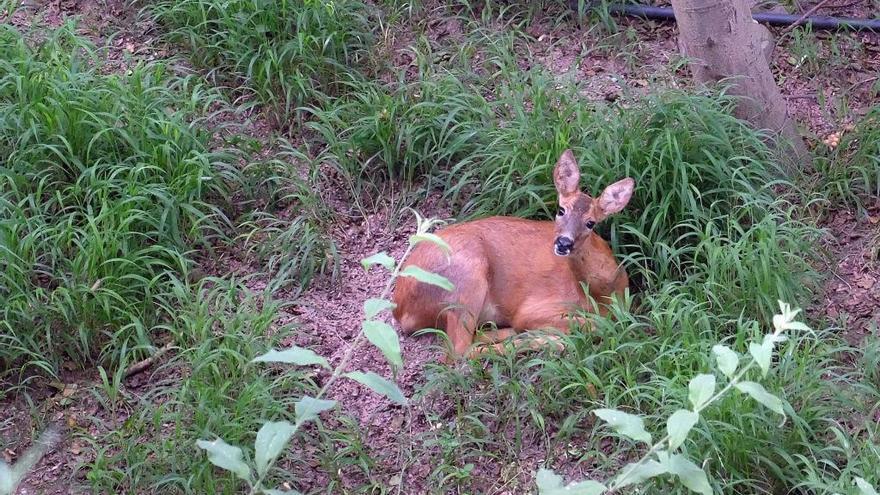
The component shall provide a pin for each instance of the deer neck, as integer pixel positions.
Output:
(577, 260)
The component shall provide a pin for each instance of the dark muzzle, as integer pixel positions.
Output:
(563, 246)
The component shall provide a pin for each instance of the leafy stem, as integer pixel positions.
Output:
(274, 436)
(619, 481)
(660, 458)
(358, 340)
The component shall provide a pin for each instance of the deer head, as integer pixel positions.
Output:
(579, 213)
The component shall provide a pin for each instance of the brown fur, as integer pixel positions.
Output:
(505, 271)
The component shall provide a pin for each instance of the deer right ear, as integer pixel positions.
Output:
(567, 175)
(615, 197)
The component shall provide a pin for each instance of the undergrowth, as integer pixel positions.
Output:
(283, 53)
(110, 188)
(850, 172)
(221, 327)
(107, 185)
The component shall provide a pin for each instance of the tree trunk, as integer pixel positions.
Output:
(721, 42)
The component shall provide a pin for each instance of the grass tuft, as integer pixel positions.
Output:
(284, 54)
(851, 171)
(107, 185)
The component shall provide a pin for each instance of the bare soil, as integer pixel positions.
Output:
(851, 294)
(331, 310)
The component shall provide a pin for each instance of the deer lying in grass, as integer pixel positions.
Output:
(520, 274)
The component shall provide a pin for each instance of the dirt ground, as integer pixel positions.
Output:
(330, 311)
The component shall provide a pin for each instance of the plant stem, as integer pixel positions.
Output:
(659, 444)
(360, 336)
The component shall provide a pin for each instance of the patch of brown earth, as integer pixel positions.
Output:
(851, 294)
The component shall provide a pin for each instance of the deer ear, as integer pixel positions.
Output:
(567, 175)
(615, 197)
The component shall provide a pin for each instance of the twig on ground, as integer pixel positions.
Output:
(863, 81)
(144, 364)
(803, 17)
(845, 5)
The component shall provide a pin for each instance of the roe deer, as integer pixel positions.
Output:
(520, 274)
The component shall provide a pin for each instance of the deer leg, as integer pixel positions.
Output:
(494, 336)
(527, 342)
(462, 319)
(460, 336)
(532, 340)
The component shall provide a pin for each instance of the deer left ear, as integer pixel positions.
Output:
(615, 197)
(566, 175)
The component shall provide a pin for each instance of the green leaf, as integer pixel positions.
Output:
(294, 355)
(796, 325)
(385, 338)
(427, 277)
(226, 456)
(760, 394)
(763, 354)
(281, 492)
(308, 408)
(550, 483)
(786, 321)
(626, 424)
(547, 480)
(379, 385)
(727, 360)
(271, 439)
(432, 238)
(634, 473)
(679, 425)
(691, 475)
(373, 307)
(701, 389)
(864, 487)
(7, 479)
(378, 259)
(772, 338)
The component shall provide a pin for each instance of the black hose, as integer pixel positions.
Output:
(817, 21)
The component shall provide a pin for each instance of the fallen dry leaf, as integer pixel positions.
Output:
(69, 389)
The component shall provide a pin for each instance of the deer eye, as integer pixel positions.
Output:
(590, 224)
(560, 211)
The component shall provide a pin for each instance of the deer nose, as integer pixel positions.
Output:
(563, 246)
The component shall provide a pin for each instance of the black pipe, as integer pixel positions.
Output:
(816, 21)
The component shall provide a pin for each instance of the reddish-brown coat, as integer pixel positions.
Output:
(506, 271)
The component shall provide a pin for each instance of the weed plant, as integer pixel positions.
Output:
(284, 231)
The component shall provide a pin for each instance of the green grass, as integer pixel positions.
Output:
(851, 171)
(208, 388)
(280, 54)
(284, 232)
(107, 185)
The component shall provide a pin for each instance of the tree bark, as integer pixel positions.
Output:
(722, 42)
